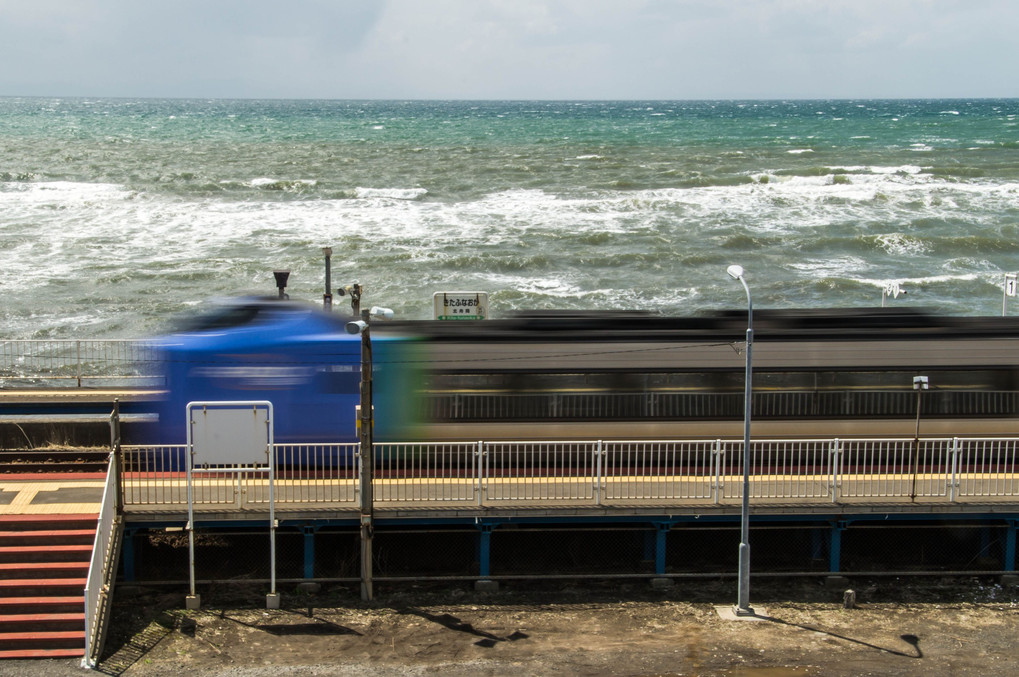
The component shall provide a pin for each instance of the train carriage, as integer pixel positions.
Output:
(583, 376)
(631, 376)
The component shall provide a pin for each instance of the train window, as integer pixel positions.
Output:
(221, 318)
(339, 378)
(718, 395)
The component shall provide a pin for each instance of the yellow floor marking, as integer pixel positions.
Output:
(27, 491)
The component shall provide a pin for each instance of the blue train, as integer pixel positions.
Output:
(582, 376)
(291, 354)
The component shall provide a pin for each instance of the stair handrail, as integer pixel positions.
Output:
(105, 552)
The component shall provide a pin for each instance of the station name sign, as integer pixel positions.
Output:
(460, 305)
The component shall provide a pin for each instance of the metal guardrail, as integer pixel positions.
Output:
(599, 473)
(76, 362)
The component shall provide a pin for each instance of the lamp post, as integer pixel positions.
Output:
(920, 384)
(354, 291)
(366, 457)
(327, 297)
(743, 607)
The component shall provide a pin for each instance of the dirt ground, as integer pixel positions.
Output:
(932, 627)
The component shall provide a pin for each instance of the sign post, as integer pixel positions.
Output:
(891, 289)
(231, 437)
(1010, 290)
(460, 305)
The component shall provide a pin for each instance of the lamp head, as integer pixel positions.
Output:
(380, 312)
(735, 271)
(356, 327)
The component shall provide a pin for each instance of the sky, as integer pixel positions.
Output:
(511, 49)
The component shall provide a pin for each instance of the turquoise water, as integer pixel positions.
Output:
(117, 215)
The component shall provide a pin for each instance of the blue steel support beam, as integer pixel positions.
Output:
(485, 549)
(1009, 563)
(835, 549)
(985, 542)
(309, 551)
(661, 533)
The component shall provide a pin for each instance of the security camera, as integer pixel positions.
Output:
(356, 327)
(385, 313)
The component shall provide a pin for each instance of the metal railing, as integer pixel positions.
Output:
(596, 473)
(77, 362)
(102, 569)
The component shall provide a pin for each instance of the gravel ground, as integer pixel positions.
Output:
(929, 627)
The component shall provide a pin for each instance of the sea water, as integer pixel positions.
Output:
(119, 215)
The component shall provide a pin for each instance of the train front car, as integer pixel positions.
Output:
(292, 355)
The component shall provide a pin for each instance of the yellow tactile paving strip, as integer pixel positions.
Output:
(27, 499)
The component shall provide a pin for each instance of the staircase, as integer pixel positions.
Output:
(44, 562)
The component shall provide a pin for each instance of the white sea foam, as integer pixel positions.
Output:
(119, 238)
(898, 169)
(391, 193)
(907, 282)
(265, 182)
(58, 193)
(899, 244)
(838, 266)
(550, 286)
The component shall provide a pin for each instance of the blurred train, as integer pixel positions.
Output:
(583, 376)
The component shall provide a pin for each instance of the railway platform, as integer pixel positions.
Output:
(65, 494)
(665, 496)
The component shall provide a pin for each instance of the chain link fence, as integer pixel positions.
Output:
(76, 363)
(570, 551)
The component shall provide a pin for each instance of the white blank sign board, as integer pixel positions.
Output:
(229, 433)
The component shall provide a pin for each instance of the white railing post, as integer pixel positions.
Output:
(835, 459)
(598, 472)
(479, 471)
(717, 458)
(953, 479)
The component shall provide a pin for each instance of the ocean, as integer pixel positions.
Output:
(118, 216)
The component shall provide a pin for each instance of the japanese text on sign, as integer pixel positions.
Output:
(461, 305)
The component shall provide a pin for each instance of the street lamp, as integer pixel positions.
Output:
(920, 384)
(366, 457)
(743, 607)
